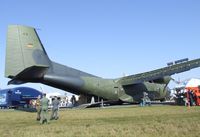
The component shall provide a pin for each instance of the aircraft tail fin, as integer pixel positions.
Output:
(24, 53)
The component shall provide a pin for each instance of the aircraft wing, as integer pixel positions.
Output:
(159, 73)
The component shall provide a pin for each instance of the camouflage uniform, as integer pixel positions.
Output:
(55, 106)
(38, 108)
(44, 110)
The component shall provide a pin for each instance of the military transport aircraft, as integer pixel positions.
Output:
(27, 61)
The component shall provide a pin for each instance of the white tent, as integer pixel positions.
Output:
(52, 95)
(193, 83)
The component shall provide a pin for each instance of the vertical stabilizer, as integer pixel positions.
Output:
(24, 51)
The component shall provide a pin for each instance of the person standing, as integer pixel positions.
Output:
(38, 107)
(73, 100)
(144, 99)
(44, 110)
(55, 107)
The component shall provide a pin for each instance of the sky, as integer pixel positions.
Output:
(108, 38)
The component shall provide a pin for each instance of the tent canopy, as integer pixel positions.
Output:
(193, 83)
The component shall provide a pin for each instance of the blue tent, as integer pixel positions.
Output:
(17, 97)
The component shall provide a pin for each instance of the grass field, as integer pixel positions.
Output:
(162, 121)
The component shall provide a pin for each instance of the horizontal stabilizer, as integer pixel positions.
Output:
(31, 74)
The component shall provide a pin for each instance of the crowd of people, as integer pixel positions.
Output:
(186, 97)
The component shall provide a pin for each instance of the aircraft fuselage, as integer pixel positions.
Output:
(105, 88)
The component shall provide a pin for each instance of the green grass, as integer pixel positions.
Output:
(162, 121)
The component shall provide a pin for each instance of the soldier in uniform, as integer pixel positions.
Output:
(38, 107)
(44, 110)
(55, 107)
